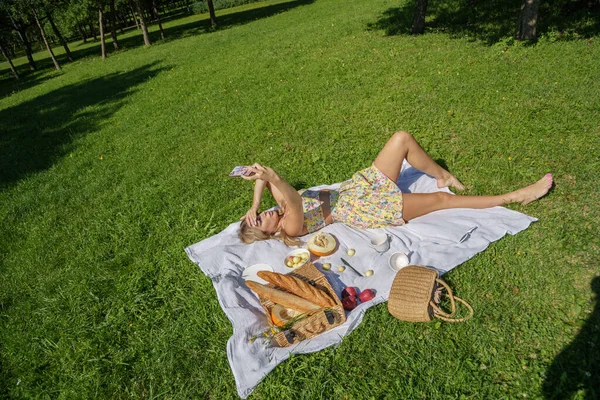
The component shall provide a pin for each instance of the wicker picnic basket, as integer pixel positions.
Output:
(416, 293)
(318, 322)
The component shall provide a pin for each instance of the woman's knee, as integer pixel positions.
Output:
(443, 199)
(402, 136)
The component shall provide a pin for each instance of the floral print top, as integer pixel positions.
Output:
(313, 210)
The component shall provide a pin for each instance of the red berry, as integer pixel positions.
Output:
(349, 291)
(349, 303)
(366, 295)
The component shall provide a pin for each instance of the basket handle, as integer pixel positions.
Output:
(438, 313)
(438, 310)
(468, 317)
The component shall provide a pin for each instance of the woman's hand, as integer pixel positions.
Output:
(250, 217)
(261, 172)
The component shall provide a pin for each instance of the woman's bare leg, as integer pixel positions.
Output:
(402, 145)
(417, 204)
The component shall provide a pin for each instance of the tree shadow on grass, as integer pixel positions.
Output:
(6, 379)
(36, 133)
(299, 184)
(202, 26)
(231, 19)
(492, 20)
(8, 85)
(576, 368)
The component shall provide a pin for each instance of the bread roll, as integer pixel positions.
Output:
(284, 298)
(298, 287)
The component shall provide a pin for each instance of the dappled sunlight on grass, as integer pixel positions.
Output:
(495, 20)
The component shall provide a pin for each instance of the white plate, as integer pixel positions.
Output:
(250, 273)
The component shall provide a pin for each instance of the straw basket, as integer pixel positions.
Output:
(413, 296)
(318, 322)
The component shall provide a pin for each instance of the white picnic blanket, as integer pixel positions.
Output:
(443, 240)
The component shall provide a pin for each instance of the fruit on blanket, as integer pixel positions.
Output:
(281, 315)
(341, 268)
(369, 272)
(322, 244)
(366, 295)
(326, 266)
(349, 303)
(297, 260)
(349, 291)
(351, 252)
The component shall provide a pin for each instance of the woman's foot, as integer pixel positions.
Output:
(449, 180)
(535, 191)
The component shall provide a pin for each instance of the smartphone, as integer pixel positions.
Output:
(241, 171)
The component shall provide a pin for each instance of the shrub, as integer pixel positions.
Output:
(201, 7)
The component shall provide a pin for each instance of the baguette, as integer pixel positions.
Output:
(298, 287)
(284, 298)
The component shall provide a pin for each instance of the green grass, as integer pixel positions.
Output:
(108, 170)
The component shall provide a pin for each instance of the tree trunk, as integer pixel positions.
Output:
(93, 31)
(9, 61)
(37, 20)
(526, 26)
(211, 11)
(23, 36)
(82, 33)
(101, 25)
(60, 37)
(157, 16)
(137, 25)
(143, 24)
(113, 25)
(418, 24)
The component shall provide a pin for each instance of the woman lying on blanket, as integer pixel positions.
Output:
(371, 199)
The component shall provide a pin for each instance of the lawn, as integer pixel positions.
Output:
(109, 169)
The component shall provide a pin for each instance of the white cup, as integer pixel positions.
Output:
(380, 242)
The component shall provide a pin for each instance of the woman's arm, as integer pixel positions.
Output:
(250, 216)
(284, 192)
(277, 195)
(259, 189)
(294, 214)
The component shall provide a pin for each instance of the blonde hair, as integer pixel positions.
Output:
(250, 234)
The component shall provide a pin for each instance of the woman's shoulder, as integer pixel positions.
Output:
(292, 228)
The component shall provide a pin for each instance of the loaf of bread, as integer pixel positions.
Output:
(298, 287)
(284, 298)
